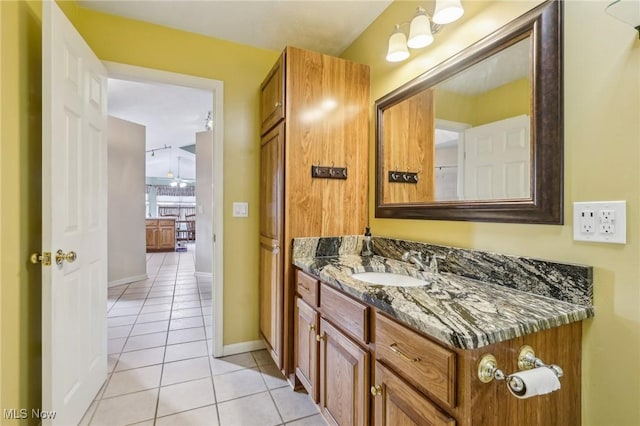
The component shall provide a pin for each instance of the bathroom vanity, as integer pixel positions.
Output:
(378, 354)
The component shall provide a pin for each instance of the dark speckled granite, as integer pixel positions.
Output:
(566, 282)
(456, 309)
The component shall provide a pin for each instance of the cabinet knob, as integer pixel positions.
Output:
(319, 337)
(376, 390)
(311, 327)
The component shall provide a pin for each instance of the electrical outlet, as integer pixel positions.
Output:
(587, 222)
(607, 216)
(607, 228)
(600, 221)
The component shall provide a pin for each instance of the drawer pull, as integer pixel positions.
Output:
(311, 327)
(394, 348)
(304, 286)
(319, 337)
(376, 390)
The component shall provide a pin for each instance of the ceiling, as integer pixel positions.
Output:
(172, 116)
(327, 26)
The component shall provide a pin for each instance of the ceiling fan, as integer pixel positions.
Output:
(177, 181)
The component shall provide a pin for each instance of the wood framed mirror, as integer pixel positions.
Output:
(479, 137)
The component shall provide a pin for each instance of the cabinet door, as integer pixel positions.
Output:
(344, 378)
(271, 284)
(152, 238)
(272, 183)
(397, 403)
(306, 347)
(167, 237)
(272, 97)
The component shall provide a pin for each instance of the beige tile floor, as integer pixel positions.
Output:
(160, 367)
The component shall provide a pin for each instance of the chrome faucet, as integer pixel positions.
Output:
(415, 257)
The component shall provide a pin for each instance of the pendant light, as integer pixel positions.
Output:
(447, 11)
(420, 30)
(398, 50)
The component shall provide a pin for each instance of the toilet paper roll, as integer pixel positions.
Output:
(537, 381)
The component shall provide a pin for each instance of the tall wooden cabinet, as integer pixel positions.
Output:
(317, 107)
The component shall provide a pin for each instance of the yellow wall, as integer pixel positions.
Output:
(242, 69)
(20, 141)
(508, 100)
(602, 162)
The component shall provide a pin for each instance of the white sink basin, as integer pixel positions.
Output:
(390, 279)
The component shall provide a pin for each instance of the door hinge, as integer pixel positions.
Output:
(44, 258)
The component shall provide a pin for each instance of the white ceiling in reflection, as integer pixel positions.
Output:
(511, 64)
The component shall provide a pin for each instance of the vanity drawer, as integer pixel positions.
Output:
(350, 315)
(307, 288)
(423, 363)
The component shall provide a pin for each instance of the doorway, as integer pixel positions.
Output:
(214, 231)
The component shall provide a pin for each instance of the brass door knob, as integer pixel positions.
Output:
(62, 256)
(44, 258)
(376, 390)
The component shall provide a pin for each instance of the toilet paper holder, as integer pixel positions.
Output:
(488, 368)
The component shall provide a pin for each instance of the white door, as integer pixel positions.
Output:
(497, 160)
(74, 218)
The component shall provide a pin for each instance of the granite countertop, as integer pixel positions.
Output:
(458, 311)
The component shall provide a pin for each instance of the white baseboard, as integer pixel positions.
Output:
(237, 348)
(127, 280)
(204, 274)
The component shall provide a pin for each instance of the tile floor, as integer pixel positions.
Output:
(160, 367)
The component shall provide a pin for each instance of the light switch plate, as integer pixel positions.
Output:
(600, 221)
(241, 209)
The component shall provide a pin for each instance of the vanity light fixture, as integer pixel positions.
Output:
(421, 29)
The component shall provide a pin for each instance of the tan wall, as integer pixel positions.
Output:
(20, 163)
(602, 159)
(242, 69)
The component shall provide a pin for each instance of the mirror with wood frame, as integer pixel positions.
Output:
(480, 136)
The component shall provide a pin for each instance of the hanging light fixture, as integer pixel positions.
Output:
(421, 29)
(447, 11)
(398, 50)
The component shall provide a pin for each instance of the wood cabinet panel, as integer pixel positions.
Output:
(271, 182)
(409, 146)
(352, 316)
(160, 235)
(344, 378)
(306, 347)
(328, 101)
(166, 237)
(270, 295)
(425, 364)
(308, 288)
(398, 404)
(322, 102)
(271, 285)
(152, 237)
(272, 97)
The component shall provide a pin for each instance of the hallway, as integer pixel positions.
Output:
(160, 368)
